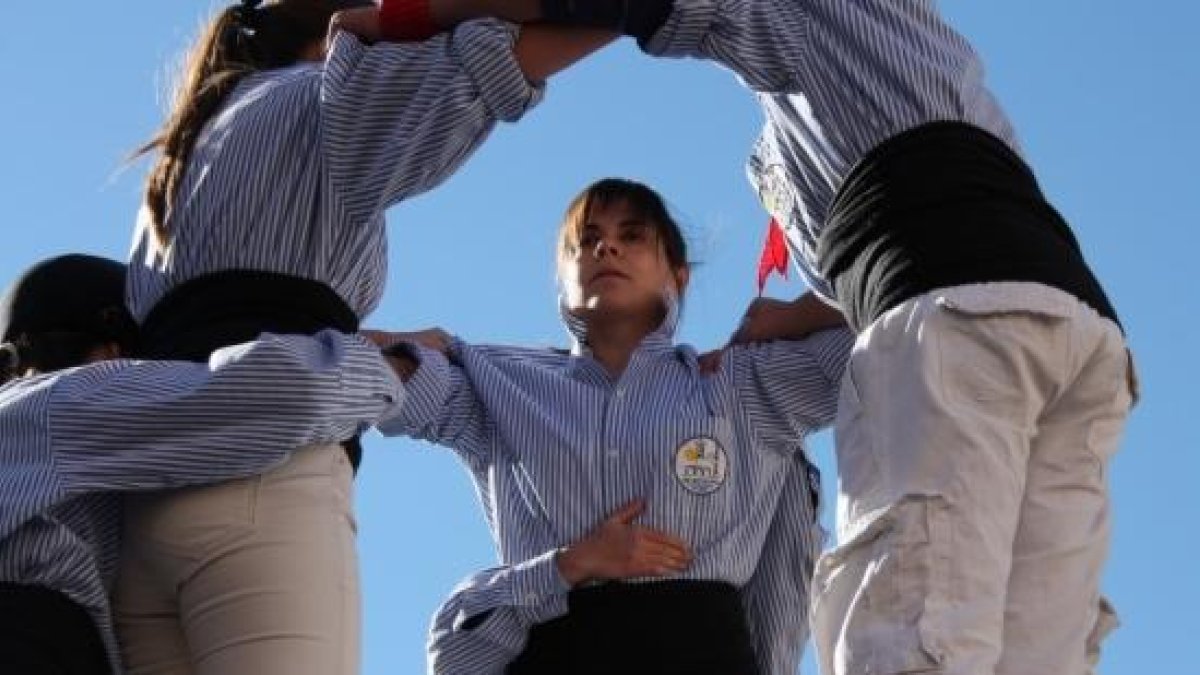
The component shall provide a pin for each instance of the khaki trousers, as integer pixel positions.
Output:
(250, 577)
(974, 432)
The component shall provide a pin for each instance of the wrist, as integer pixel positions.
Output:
(570, 566)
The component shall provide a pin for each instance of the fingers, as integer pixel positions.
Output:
(361, 22)
(379, 338)
(431, 338)
(660, 553)
(628, 512)
(665, 540)
(655, 557)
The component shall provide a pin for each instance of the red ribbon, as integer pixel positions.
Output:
(774, 255)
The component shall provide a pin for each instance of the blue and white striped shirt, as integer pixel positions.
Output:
(71, 440)
(294, 172)
(835, 78)
(776, 596)
(555, 445)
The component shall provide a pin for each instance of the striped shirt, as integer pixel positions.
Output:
(555, 445)
(835, 78)
(71, 440)
(775, 597)
(294, 172)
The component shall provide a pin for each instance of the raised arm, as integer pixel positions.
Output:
(790, 388)
(398, 118)
(157, 424)
(440, 405)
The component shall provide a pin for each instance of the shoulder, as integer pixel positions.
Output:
(277, 91)
(546, 359)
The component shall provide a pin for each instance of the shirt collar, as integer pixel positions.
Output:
(657, 343)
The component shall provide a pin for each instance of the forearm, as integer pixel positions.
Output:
(150, 425)
(810, 314)
(450, 13)
(485, 622)
(637, 18)
(543, 50)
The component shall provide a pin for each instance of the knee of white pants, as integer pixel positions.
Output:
(876, 595)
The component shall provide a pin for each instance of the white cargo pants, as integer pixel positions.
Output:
(974, 432)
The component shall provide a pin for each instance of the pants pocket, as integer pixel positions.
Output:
(874, 594)
(859, 470)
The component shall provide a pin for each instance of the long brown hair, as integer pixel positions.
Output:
(241, 39)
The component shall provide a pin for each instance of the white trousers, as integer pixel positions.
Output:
(250, 577)
(974, 432)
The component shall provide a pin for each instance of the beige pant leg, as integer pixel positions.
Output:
(263, 571)
(147, 620)
(1054, 614)
(936, 426)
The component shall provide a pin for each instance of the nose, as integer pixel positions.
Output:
(604, 247)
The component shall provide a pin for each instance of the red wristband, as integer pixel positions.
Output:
(406, 20)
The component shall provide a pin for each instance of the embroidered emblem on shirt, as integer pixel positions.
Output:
(701, 465)
(776, 194)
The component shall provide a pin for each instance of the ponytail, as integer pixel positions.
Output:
(241, 39)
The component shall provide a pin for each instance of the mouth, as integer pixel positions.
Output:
(607, 274)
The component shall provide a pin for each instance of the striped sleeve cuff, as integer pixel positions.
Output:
(685, 30)
(425, 393)
(485, 49)
(366, 370)
(539, 589)
(533, 590)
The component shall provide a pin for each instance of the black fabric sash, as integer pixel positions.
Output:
(43, 632)
(224, 308)
(661, 628)
(942, 205)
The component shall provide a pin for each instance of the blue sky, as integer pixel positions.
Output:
(1104, 94)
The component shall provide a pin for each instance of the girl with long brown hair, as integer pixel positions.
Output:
(264, 212)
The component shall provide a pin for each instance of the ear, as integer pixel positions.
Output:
(682, 276)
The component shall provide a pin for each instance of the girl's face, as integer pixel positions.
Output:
(619, 266)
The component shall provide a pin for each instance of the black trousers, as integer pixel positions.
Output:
(662, 628)
(43, 632)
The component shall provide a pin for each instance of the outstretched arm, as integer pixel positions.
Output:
(440, 405)
(160, 424)
(541, 49)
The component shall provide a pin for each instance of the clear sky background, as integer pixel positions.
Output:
(1105, 95)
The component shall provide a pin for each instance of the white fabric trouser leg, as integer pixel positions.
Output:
(974, 431)
(250, 577)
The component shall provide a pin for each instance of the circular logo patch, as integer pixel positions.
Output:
(701, 465)
(775, 193)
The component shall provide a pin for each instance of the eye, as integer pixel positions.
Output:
(633, 235)
(588, 240)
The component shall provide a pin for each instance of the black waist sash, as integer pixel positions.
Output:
(224, 308)
(945, 204)
(662, 628)
(44, 631)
